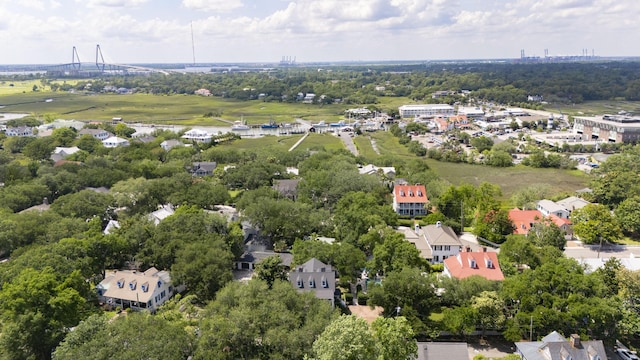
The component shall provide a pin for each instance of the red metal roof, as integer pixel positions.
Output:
(480, 263)
(410, 194)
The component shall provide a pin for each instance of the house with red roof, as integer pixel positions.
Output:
(410, 200)
(523, 221)
(481, 263)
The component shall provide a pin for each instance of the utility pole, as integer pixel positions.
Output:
(531, 329)
(461, 216)
(193, 46)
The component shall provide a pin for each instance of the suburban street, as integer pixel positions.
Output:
(608, 251)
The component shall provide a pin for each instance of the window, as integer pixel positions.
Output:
(447, 247)
(132, 285)
(299, 283)
(145, 287)
(324, 282)
(436, 258)
(163, 294)
(312, 283)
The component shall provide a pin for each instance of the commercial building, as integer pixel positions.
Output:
(608, 128)
(472, 113)
(425, 110)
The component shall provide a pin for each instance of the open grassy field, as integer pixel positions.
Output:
(9, 87)
(510, 179)
(363, 144)
(325, 140)
(592, 108)
(159, 109)
(313, 141)
(388, 144)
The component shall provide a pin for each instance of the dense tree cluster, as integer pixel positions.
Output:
(336, 215)
(501, 83)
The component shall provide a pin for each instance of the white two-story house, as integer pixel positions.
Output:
(136, 289)
(442, 241)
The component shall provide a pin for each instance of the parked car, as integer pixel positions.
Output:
(625, 354)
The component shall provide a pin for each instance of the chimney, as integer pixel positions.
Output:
(574, 340)
(468, 249)
(438, 224)
(484, 249)
(45, 201)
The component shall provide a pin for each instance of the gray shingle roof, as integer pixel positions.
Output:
(440, 235)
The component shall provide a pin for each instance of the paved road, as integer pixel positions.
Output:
(618, 251)
(348, 142)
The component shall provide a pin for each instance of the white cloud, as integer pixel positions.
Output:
(33, 4)
(112, 3)
(213, 5)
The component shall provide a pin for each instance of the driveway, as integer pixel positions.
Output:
(348, 141)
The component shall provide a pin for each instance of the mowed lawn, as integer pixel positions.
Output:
(266, 143)
(511, 179)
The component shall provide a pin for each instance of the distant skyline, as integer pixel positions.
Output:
(159, 31)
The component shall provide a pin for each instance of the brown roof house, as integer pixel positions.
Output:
(287, 188)
(317, 277)
(136, 289)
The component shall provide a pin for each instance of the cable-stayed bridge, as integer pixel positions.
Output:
(77, 68)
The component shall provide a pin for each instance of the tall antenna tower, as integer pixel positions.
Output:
(193, 45)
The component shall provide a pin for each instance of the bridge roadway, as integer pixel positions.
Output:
(90, 67)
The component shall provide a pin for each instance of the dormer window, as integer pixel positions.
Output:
(410, 192)
(419, 192)
(312, 283)
(325, 283)
(299, 283)
(159, 283)
(132, 285)
(121, 283)
(145, 287)
(401, 192)
(489, 264)
(472, 264)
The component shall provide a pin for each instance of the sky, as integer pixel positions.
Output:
(160, 31)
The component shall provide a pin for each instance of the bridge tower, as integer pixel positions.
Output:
(99, 59)
(74, 56)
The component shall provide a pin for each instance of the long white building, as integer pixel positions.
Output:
(427, 110)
